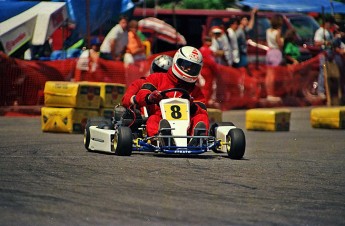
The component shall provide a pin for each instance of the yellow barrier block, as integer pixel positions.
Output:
(65, 120)
(214, 115)
(268, 119)
(72, 94)
(111, 93)
(328, 117)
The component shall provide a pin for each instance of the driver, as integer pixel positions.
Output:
(159, 64)
(187, 64)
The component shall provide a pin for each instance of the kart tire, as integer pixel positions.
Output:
(87, 137)
(237, 141)
(217, 124)
(123, 141)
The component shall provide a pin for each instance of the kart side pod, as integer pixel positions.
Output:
(221, 134)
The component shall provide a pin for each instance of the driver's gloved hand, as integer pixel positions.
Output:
(154, 97)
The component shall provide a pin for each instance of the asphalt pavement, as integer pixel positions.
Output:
(286, 178)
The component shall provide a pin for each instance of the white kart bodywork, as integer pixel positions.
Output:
(221, 133)
(101, 139)
(176, 111)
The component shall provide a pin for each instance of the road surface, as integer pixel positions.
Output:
(286, 178)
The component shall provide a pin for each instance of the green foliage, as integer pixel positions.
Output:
(204, 4)
(190, 4)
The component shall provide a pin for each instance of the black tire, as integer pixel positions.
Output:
(237, 141)
(123, 141)
(87, 137)
(216, 124)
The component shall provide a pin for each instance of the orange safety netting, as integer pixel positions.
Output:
(22, 82)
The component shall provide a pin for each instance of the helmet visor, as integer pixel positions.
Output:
(188, 67)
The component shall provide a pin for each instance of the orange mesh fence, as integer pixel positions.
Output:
(22, 82)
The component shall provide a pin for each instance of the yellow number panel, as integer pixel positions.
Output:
(176, 111)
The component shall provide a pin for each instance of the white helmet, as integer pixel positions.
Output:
(187, 64)
(161, 64)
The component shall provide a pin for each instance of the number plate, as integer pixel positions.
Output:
(176, 111)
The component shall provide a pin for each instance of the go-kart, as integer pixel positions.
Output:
(126, 132)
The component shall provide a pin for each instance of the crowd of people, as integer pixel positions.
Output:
(227, 45)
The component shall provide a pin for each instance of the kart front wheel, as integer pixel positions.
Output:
(87, 137)
(237, 143)
(123, 141)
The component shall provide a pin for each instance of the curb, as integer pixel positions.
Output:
(34, 110)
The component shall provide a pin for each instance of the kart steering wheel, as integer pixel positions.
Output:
(185, 93)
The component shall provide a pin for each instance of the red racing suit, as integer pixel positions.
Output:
(132, 91)
(163, 81)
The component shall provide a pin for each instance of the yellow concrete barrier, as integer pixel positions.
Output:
(268, 119)
(65, 120)
(328, 117)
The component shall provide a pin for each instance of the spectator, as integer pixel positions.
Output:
(339, 58)
(135, 49)
(323, 39)
(231, 32)
(243, 28)
(208, 71)
(291, 50)
(275, 41)
(115, 42)
(274, 55)
(88, 60)
(220, 46)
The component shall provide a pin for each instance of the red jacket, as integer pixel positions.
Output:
(132, 91)
(163, 81)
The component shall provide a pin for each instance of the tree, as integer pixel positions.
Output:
(190, 4)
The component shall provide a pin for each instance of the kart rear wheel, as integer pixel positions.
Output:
(123, 141)
(217, 124)
(237, 143)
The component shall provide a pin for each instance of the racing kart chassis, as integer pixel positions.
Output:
(116, 136)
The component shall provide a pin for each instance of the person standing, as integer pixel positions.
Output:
(220, 46)
(135, 48)
(275, 41)
(243, 28)
(274, 55)
(233, 25)
(88, 61)
(323, 39)
(291, 51)
(208, 71)
(115, 43)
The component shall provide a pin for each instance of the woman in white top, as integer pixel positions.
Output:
(275, 41)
